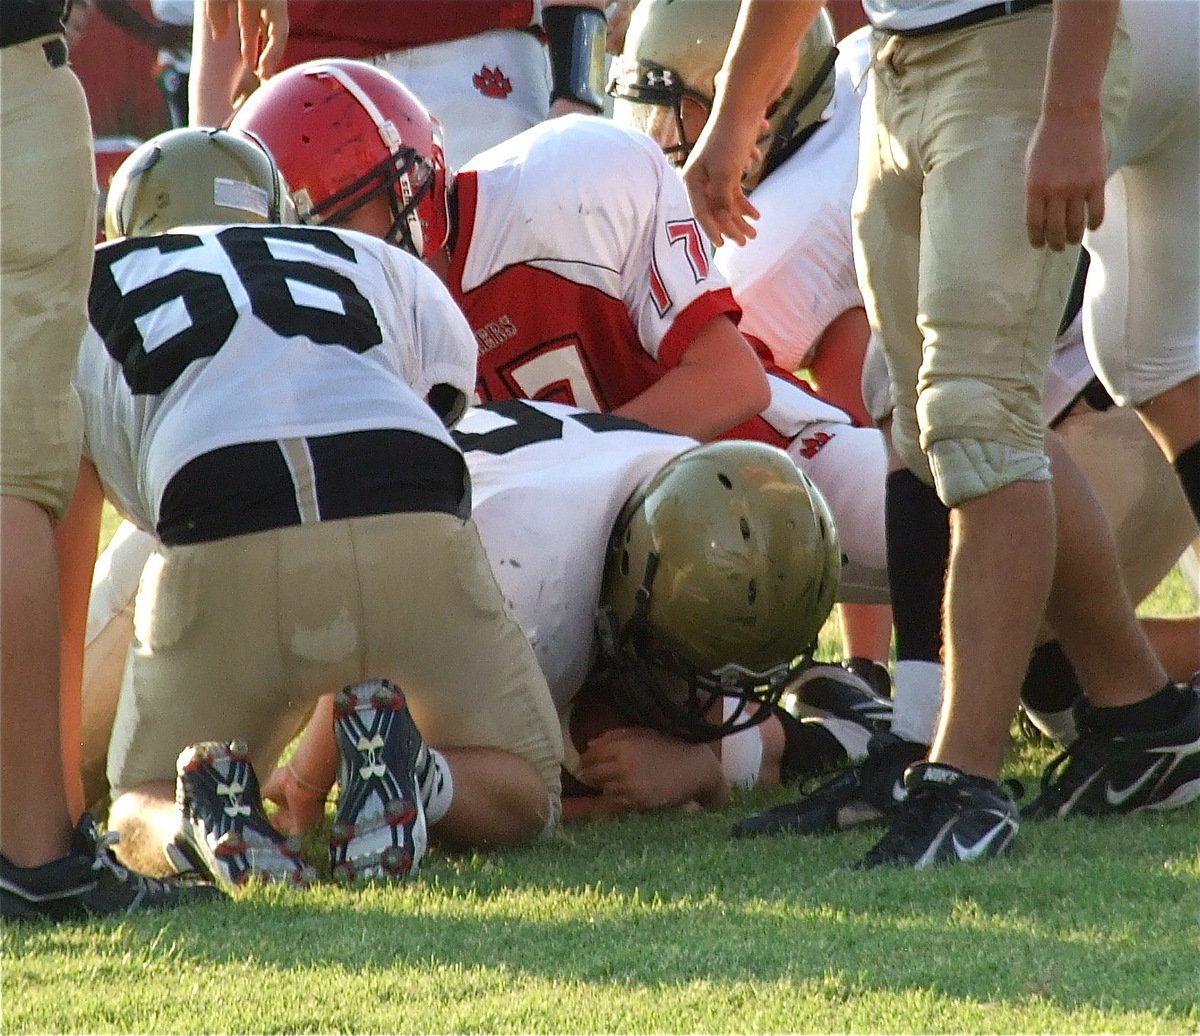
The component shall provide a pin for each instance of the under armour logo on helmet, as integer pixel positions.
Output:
(492, 82)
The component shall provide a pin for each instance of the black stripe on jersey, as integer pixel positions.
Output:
(531, 425)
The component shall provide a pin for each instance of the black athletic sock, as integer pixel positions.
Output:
(1187, 467)
(1050, 682)
(1161, 710)
(917, 527)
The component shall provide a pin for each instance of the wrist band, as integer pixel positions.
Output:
(575, 37)
(306, 785)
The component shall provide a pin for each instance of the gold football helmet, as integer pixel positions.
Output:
(195, 177)
(720, 574)
(673, 51)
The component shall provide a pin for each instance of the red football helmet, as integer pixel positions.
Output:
(343, 132)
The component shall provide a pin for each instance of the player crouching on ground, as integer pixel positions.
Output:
(549, 484)
(711, 568)
(256, 395)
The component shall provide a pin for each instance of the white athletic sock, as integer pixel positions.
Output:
(1057, 725)
(436, 784)
(917, 700)
(850, 735)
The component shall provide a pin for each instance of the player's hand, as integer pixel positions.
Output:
(1066, 166)
(639, 769)
(617, 13)
(262, 26)
(725, 150)
(300, 809)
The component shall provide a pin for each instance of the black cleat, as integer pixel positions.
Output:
(825, 689)
(1103, 773)
(947, 817)
(90, 882)
(866, 793)
(379, 830)
(223, 831)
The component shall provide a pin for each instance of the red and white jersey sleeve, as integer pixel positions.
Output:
(797, 275)
(580, 265)
(212, 337)
(548, 482)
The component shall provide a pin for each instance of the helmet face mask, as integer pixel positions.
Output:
(655, 686)
(720, 573)
(672, 54)
(346, 133)
(195, 177)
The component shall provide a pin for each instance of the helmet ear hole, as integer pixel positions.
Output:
(724, 480)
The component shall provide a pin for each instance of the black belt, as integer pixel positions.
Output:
(56, 53)
(252, 487)
(980, 14)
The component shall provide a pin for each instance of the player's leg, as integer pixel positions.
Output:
(1143, 327)
(472, 681)
(206, 670)
(46, 265)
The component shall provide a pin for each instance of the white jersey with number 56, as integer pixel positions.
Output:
(213, 337)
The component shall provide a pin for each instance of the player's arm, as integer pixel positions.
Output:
(837, 362)
(640, 769)
(1067, 163)
(76, 539)
(576, 32)
(718, 383)
(216, 77)
(764, 34)
(300, 786)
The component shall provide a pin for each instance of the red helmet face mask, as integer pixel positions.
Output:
(343, 133)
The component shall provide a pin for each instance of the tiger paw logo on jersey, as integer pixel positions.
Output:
(491, 82)
(813, 444)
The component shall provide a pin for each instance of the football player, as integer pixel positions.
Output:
(272, 402)
(549, 484)
(910, 43)
(573, 252)
(796, 282)
(1142, 311)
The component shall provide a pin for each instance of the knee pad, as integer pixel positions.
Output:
(964, 469)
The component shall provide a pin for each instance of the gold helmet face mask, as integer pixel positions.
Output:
(195, 177)
(720, 573)
(673, 51)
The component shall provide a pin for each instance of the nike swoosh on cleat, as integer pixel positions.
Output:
(899, 794)
(1118, 798)
(982, 844)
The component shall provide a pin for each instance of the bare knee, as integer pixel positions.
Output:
(500, 801)
(144, 817)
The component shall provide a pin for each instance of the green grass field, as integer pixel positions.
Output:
(662, 923)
